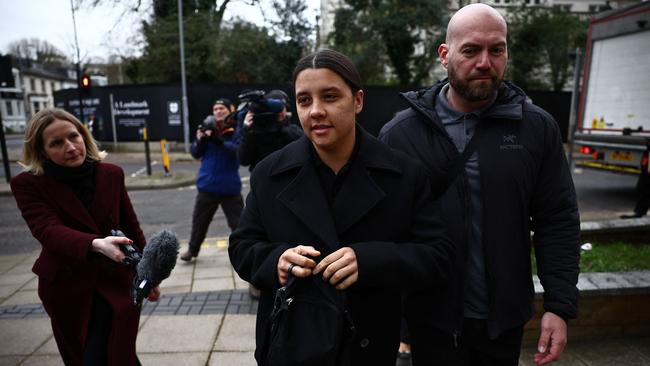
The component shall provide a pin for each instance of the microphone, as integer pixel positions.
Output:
(158, 260)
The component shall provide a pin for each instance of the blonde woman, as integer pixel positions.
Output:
(71, 201)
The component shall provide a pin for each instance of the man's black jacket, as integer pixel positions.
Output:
(526, 186)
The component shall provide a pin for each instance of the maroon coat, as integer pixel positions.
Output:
(68, 271)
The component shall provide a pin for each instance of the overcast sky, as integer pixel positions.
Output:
(101, 31)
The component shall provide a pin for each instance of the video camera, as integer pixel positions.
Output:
(210, 123)
(265, 110)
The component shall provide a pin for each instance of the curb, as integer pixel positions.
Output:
(180, 178)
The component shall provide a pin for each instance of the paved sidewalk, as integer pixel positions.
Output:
(206, 317)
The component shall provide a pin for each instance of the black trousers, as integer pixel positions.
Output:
(205, 207)
(472, 347)
(99, 329)
(643, 194)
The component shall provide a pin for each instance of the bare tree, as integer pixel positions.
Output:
(37, 50)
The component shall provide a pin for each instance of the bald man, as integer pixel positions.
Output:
(498, 168)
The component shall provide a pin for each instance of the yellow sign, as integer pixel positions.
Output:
(622, 156)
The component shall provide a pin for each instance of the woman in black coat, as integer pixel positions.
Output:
(339, 205)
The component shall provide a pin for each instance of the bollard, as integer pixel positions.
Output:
(147, 153)
(164, 147)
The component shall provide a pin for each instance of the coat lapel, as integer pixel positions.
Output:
(360, 193)
(303, 195)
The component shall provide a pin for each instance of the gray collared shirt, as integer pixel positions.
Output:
(461, 127)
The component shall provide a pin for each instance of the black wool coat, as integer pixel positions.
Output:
(384, 212)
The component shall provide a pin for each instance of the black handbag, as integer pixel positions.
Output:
(309, 325)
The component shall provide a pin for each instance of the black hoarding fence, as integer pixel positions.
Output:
(557, 104)
(129, 108)
(159, 108)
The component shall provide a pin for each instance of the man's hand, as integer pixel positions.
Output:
(339, 268)
(299, 258)
(552, 339)
(248, 120)
(201, 134)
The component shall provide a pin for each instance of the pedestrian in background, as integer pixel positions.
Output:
(257, 142)
(262, 134)
(498, 169)
(643, 194)
(71, 201)
(218, 182)
(338, 208)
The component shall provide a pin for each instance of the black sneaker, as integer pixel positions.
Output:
(188, 255)
(632, 216)
(403, 359)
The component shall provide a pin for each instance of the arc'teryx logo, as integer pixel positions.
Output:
(510, 143)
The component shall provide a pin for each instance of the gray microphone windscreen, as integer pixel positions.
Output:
(159, 257)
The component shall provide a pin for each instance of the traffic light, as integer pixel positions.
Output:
(85, 82)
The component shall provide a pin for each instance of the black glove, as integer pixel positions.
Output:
(215, 139)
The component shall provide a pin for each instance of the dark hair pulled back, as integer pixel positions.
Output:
(334, 61)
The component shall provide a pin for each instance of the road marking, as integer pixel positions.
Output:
(142, 170)
(211, 242)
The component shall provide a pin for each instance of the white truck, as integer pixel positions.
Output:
(613, 124)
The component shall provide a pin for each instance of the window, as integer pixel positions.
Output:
(9, 107)
(32, 85)
(52, 87)
(43, 89)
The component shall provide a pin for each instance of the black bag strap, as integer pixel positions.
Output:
(459, 165)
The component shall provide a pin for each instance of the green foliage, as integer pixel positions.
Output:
(399, 34)
(244, 55)
(540, 44)
(364, 49)
(616, 257)
(216, 51)
(613, 257)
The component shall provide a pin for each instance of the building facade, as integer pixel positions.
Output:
(31, 90)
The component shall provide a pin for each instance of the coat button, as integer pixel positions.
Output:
(364, 343)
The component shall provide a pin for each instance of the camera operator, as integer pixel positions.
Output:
(218, 181)
(266, 126)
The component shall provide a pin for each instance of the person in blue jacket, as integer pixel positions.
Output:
(218, 181)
